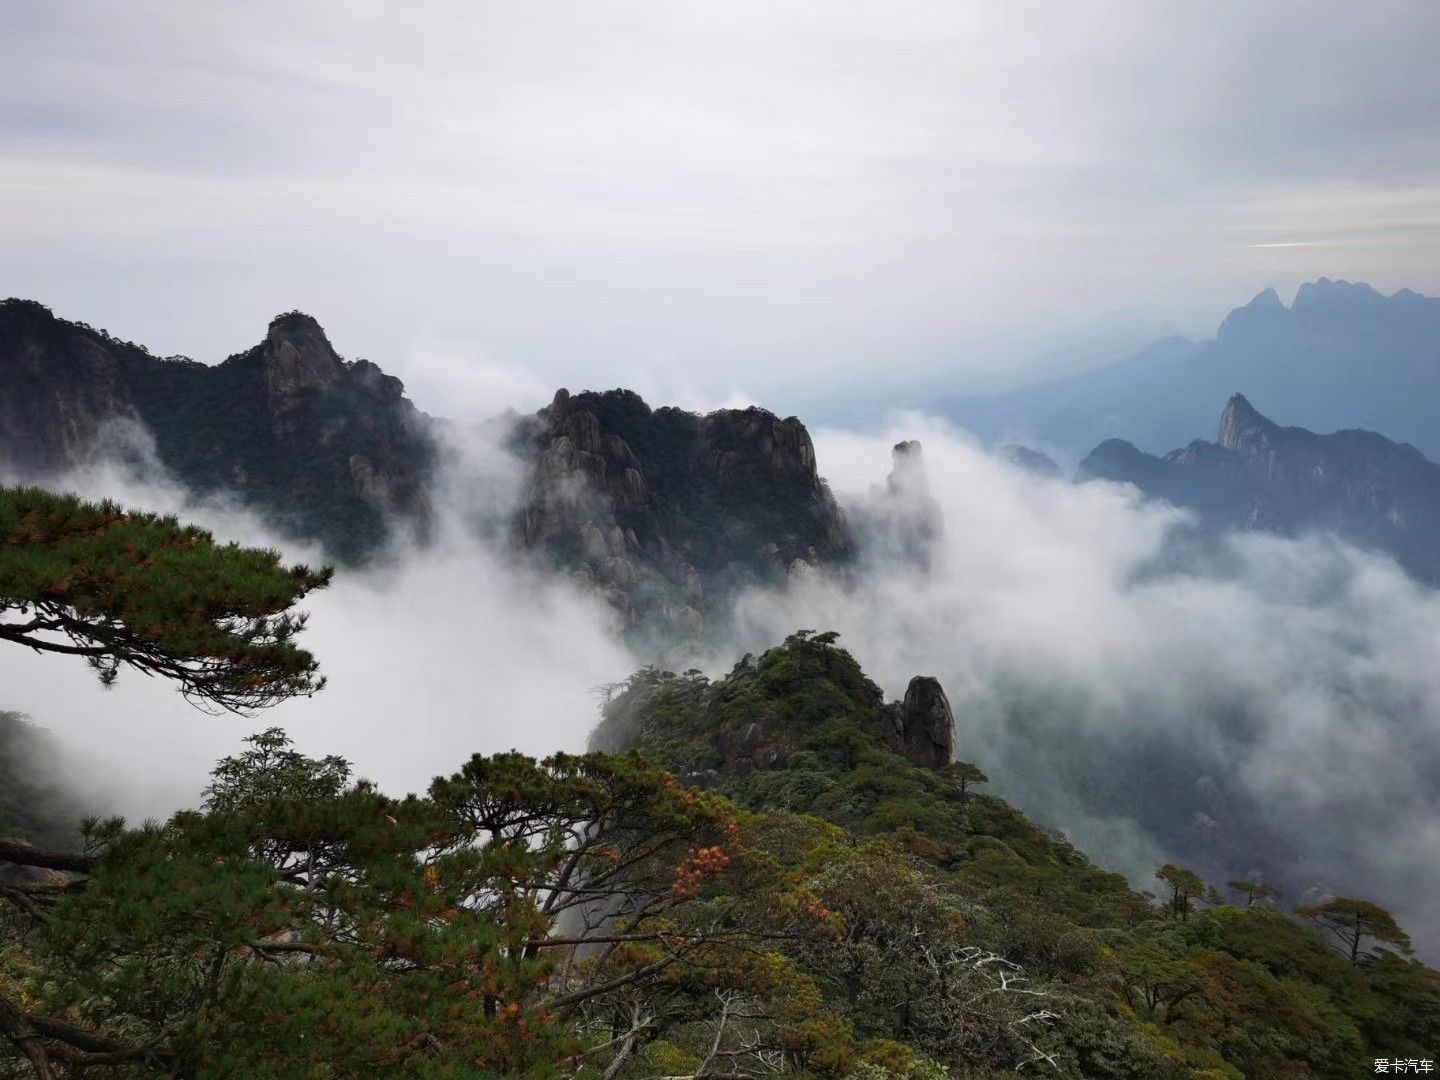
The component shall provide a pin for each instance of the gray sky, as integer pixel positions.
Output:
(707, 200)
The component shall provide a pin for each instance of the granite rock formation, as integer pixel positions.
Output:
(902, 520)
(325, 449)
(922, 727)
(669, 513)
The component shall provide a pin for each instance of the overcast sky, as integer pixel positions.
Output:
(707, 200)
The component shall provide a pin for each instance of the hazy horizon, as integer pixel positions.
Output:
(715, 202)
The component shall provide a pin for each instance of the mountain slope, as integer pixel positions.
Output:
(1340, 355)
(1204, 990)
(1259, 475)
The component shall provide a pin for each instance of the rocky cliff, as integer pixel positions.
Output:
(34, 804)
(1259, 475)
(668, 512)
(326, 449)
(922, 727)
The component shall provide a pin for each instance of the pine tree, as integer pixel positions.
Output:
(123, 589)
(1350, 922)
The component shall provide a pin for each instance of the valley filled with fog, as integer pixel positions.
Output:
(1250, 704)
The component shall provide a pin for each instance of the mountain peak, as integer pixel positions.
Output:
(1240, 403)
(16, 306)
(299, 355)
(1031, 461)
(1242, 425)
(1266, 306)
(1265, 300)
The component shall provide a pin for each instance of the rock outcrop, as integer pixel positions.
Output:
(327, 450)
(907, 479)
(1258, 475)
(922, 727)
(902, 520)
(669, 513)
(35, 805)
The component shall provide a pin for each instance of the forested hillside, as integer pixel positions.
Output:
(767, 874)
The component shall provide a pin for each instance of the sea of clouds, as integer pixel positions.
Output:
(1249, 704)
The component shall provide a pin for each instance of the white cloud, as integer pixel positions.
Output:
(431, 657)
(1256, 704)
(1118, 678)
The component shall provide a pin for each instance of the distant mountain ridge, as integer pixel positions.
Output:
(1341, 355)
(1258, 475)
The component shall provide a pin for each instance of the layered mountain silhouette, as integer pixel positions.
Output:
(1258, 475)
(1340, 355)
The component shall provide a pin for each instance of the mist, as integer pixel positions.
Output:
(432, 653)
(1250, 705)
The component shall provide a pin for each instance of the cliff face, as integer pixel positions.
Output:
(34, 804)
(666, 512)
(326, 449)
(1257, 474)
(60, 383)
(669, 512)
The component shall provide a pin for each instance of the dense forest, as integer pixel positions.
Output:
(743, 878)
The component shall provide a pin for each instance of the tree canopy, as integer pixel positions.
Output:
(1186, 887)
(1254, 890)
(1350, 923)
(125, 589)
(303, 921)
(833, 911)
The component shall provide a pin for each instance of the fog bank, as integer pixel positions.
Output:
(1251, 705)
(1255, 705)
(431, 654)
